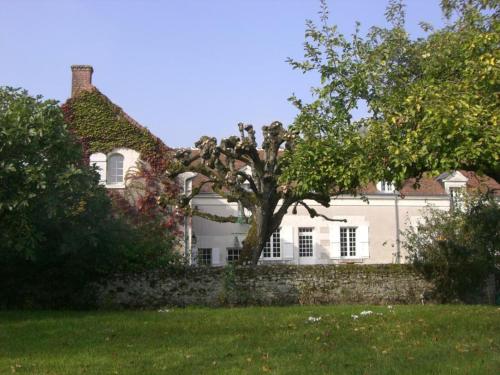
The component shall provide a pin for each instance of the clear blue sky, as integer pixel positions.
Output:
(183, 68)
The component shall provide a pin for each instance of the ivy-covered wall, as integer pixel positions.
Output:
(101, 126)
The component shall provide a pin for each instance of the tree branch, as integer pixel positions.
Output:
(238, 194)
(250, 181)
(323, 199)
(212, 217)
(313, 213)
(282, 211)
(230, 153)
(194, 192)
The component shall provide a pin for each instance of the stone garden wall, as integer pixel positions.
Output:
(267, 285)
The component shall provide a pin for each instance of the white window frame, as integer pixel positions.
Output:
(457, 194)
(385, 187)
(350, 242)
(310, 233)
(233, 258)
(204, 256)
(362, 238)
(274, 246)
(109, 173)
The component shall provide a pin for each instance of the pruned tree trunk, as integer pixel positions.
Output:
(261, 228)
(256, 188)
(250, 245)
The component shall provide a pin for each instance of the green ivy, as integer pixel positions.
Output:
(103, 126)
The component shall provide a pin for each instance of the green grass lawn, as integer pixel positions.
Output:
(276, 340)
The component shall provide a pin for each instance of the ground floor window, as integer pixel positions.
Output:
(204, 257)
(272, 249)
(305, 242)
(233, 254)
(347, 242)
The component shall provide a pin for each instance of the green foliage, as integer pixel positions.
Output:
(102, 126)
(433, 102)
(56, 227)
(442, 112)
(41, 176)
(458, 249)
(58, 232)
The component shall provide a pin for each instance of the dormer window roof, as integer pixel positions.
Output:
(453, 180)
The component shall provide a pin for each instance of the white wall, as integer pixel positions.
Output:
(378, 218)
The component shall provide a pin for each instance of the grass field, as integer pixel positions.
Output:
(277, 340)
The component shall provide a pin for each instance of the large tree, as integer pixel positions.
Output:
(432, 102)
(43, 182)
(240, 172)
(58, 229)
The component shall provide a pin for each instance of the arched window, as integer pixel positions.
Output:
(115, 169)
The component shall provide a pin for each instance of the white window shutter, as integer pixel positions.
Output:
(194, 255)
(216, 257)
(99, 160)
(362, 250)
(286, 234)
(334, 241)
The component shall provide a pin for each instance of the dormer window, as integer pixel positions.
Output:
(115, 169)
(385, 187)
(455, 184)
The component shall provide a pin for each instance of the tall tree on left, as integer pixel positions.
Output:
(56, 223)
(42, 177)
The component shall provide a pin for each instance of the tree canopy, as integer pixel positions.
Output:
(432, 106)
(41, 172)
(432, 102)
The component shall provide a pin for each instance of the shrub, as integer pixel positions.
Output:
(457, 250)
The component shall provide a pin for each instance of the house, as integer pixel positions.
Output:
(371, 234)
(114, 142)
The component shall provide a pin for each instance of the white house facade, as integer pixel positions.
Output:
(370, 235)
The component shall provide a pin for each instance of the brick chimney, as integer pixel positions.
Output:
(81, 79)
